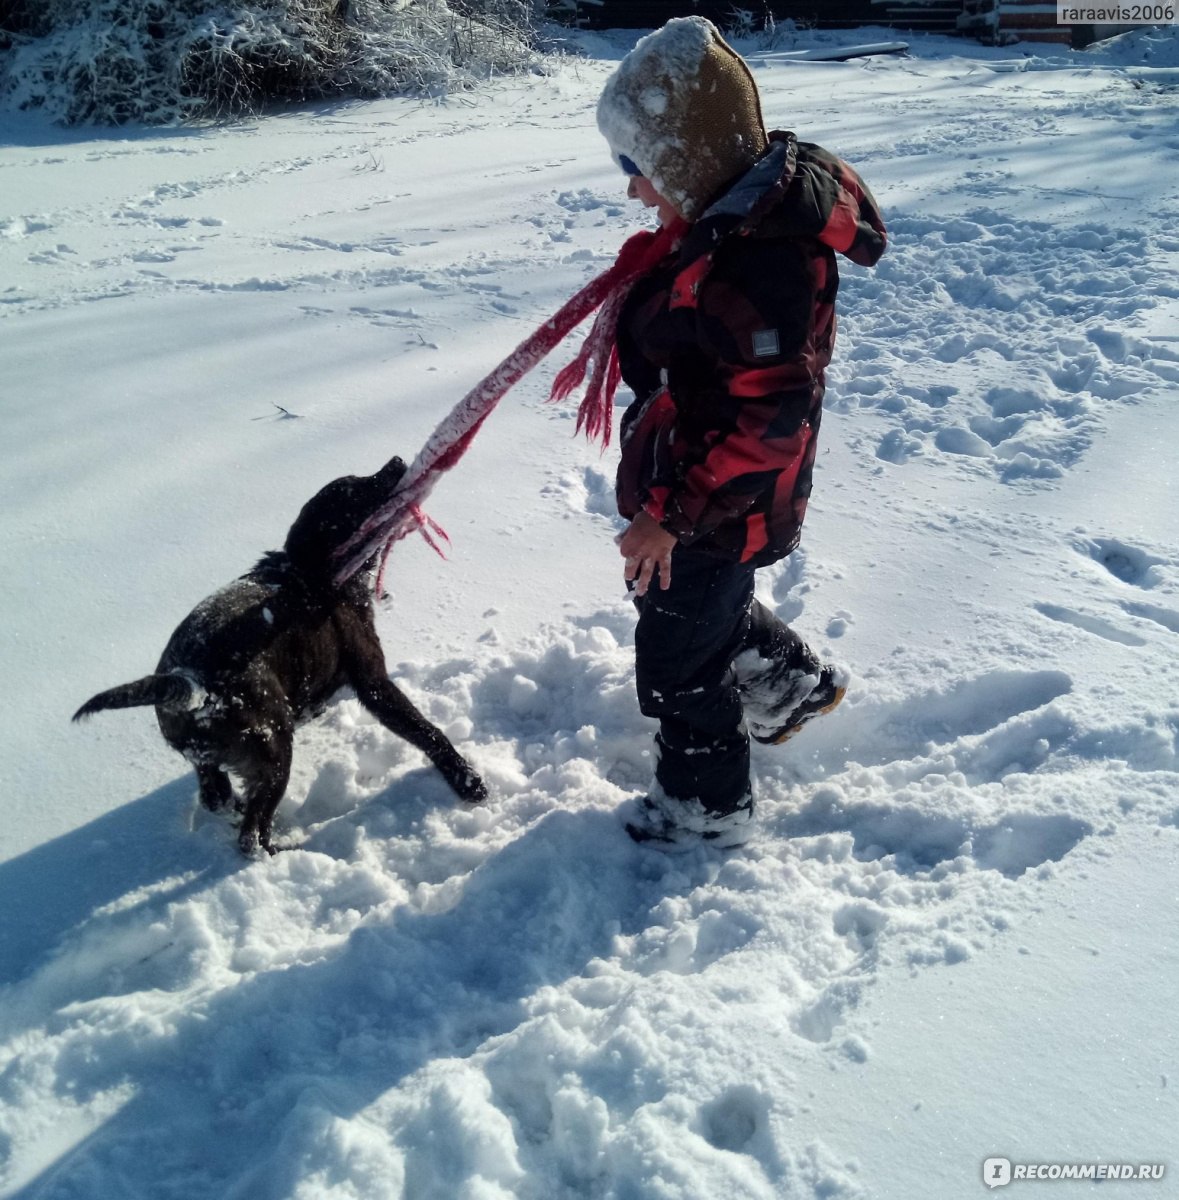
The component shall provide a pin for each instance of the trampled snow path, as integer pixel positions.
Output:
(429, 1001)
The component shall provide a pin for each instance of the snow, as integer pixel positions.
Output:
(952, 935)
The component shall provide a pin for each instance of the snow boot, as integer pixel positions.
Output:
(676, 826)
(823, 697)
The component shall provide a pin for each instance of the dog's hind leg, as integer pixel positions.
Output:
(393, 709)
(215, 789)
(264, 776)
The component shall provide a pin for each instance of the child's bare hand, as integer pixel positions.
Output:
(647, 548)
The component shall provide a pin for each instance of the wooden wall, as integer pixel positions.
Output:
(936, 16)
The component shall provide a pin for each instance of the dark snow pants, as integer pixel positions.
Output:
(685, 643)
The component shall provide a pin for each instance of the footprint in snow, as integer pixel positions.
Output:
(1089, 623)
(919, 841)
(916, 842)
(22, 227)
(954, 439)
(788, 585)
(732, 1120)
(898, 447)
(1124, 562)
(589, 490)
(820, 1019)
(905, 729)
(958, 346)
(1168, 618)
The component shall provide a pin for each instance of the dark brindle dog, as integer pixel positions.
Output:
(269, 651)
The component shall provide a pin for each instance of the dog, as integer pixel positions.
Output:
(269, 651)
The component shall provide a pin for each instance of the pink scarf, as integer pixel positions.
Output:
(401, 514)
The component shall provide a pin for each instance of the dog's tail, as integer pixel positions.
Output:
(167, 691)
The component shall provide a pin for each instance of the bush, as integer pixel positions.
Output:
(161, 61)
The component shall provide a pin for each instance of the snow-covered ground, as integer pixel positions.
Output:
(955, 934)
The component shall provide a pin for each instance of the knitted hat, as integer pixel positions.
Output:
(683, 108)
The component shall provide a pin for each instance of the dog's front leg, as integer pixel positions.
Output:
(390, 706)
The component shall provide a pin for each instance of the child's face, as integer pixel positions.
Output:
(642, 189)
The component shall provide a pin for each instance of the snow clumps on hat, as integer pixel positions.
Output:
(683, 108)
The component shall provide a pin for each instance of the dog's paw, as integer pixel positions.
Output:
(469, 786)
(251, 841)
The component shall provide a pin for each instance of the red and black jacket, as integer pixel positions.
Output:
(725, 345)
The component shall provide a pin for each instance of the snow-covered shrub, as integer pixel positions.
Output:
(156, 61)
(761, 27)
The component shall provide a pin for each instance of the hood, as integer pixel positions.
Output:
(796, 189)
(683, 107)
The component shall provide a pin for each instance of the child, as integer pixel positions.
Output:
(724, 344)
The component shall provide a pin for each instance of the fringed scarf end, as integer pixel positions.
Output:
(598, 355)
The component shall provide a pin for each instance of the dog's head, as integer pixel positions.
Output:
(334, 514)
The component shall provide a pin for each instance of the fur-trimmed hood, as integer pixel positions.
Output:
(796, 189)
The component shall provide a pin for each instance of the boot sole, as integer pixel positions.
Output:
(653, 841)
(779, 739)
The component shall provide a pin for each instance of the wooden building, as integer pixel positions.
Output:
(994, 21)
(822, 14)
(1002, 21)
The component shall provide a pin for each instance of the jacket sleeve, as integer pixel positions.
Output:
(850, 219)
(747, 406)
